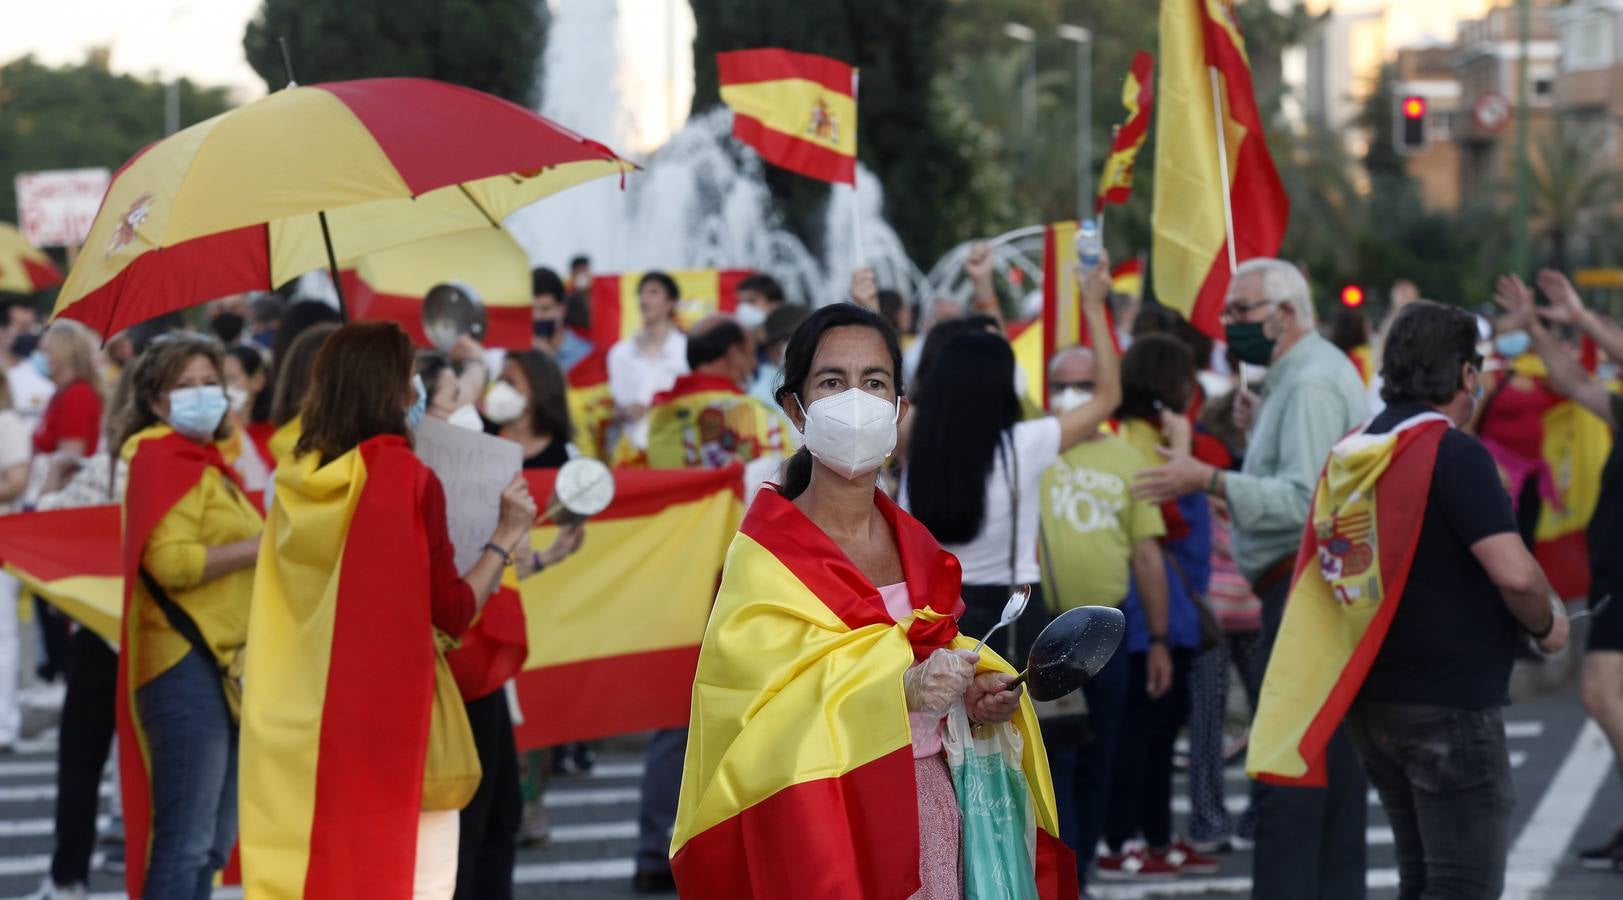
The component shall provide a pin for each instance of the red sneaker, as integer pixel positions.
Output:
(1133, 865)
(1182, 857)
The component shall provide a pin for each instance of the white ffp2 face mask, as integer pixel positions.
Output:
(1068, 399)
(504, 404)
(851, 432)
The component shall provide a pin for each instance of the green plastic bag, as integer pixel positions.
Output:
(999, 823)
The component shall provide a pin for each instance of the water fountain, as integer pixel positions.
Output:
(700, 200)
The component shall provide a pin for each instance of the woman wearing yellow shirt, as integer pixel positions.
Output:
(191, 535)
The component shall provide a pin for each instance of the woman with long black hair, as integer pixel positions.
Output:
(968, 433)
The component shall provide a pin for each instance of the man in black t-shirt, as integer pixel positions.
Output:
(1603, 657)
(1427, 721)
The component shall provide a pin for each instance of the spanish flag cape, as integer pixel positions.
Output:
(340, 679)
(1359, 543)
(164, 467)
(799, 773)
(705, 421)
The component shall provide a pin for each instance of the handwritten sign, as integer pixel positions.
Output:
(56, 208)
(474, 468)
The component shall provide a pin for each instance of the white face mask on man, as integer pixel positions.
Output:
(851, 432)
(1068, 399)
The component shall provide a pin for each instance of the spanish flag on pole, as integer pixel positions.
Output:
(1203, 59)
(799, 775)
(1138, 95)
(339, 685)
(1360, 540)
(798, 110)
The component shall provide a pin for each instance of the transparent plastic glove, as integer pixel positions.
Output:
(943, 677)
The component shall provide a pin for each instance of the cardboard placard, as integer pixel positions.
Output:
(474, 468)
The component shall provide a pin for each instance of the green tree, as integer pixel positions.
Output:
(903, 135)
(1574, 188)
(490, 45)
(82, 115)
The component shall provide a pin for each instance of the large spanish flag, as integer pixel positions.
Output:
(616, 316)
(626, 613)
(799, 773)
(1138, 96)
(1190, 251)
(339, 684)
(164, 467)
(71, 558)
(798, 110)
(1350, 573)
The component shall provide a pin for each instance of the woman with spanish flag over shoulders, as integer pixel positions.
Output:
(346, 717)
(815, 765)
(191, 536)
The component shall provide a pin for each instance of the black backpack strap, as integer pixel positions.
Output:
(180, 621)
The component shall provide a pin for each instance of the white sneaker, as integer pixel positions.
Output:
(50, 891)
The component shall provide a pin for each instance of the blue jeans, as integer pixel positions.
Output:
(661, 783)
(1082, 776)
(192, 744)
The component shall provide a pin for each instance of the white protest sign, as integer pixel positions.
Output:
(56, 209)
(474, 468)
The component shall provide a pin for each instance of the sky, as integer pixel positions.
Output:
(202, 41)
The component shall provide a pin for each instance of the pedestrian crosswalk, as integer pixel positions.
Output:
(594, 831)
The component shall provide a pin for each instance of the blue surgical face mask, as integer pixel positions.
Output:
(414, 413)
(196, 411)
(1512, 344)
(41, 363)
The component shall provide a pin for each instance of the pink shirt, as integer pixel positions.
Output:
(926, 728)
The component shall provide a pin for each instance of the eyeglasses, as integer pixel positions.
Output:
(1057, 386)
(1475, 361)
(1238, 310)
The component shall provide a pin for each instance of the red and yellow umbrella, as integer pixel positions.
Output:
(313, 177)
(24, 268)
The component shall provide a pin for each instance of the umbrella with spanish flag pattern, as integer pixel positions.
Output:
(24, 268)
(313, 177)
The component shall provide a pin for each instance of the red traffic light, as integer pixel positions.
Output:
(1414, 107)
(1352, 296)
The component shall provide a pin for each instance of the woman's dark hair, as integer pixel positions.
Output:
(1154, 318)
(798, 355)
(549, 404)
(357, 389)
(1423, 352)
(1349, 329)
(1157, 369)
(663, 280)
(296, 319)
(969, 402)
(293, 372)
(253, 362)
(937, 338)
(152, 373)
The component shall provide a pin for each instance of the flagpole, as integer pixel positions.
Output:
(1223, 168)
(856, 207)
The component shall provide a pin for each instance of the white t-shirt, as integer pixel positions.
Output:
(30, 392)
(634, 378)
(15, 446)
(985, 560)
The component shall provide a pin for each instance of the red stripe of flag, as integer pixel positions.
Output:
(795, 154)
(652, 690)
(774, 64)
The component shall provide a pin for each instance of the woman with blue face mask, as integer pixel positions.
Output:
(191, 535)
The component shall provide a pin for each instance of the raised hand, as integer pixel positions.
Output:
(1565, 305)
(1515, 299)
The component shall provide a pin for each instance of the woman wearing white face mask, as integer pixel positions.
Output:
(190, 539)
(831, 657)
(527, 405)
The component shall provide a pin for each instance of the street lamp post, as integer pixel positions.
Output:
(1026, 35)
(1083, 39)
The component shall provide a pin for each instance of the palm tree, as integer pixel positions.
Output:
(1573, 189)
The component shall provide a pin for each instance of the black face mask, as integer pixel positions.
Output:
(546, 328)
(228, 327)
(24, 344)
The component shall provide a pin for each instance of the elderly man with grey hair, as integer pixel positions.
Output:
(1309, 841)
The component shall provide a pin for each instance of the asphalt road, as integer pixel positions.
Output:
(1569, 795)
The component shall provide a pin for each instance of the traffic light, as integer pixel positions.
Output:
(1411, 130)
(1352, 296)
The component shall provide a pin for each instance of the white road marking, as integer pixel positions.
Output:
(580, 870)
(1184, 886)
(39, 827)
(27, 768)
(1544, 840)
(594, 831)
(1522, 730)
(590, 797)
(36, 793)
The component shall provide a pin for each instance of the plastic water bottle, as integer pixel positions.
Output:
(1090, 245)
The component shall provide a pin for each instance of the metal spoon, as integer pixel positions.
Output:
(1011, 611)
